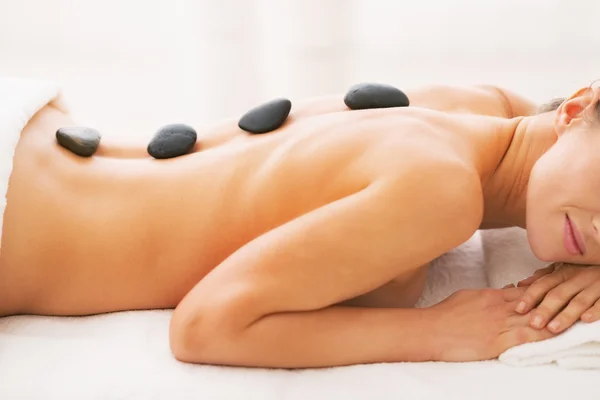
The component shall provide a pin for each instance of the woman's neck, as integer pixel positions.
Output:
(505, 191)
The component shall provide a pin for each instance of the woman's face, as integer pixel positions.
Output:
(563, 195)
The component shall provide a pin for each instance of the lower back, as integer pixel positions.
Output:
(84, 236)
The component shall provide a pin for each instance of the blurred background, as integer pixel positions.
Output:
(130, 66)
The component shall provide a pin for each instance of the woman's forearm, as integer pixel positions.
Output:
(329, 337)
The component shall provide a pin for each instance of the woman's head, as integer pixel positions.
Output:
(563, 194)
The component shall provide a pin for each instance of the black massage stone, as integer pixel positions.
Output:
(266, 117)
(80, 140)
(172, 141)
(375, 95)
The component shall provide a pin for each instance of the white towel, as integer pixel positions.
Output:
(459, 269)
(509, 259)
(576, 348)
(20, 99)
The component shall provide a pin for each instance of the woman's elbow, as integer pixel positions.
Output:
(189, 336)
(205, 335)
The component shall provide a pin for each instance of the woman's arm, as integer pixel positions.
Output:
(271, 303)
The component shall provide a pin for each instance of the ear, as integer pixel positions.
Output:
(572, 109)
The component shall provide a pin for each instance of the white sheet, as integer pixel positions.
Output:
(126, 356)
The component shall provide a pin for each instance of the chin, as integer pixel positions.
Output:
(543, 249)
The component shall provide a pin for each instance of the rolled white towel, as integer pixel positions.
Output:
(576, 348)
(20, 99)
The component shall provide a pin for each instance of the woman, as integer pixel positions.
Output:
(308, 246)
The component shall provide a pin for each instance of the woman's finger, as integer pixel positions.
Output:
(524, 334)
(537, 275)
(576, 308)
(512, 294)
(536, 292)
(557, 299)
(592, 314)
(516, 320)
(528, 281)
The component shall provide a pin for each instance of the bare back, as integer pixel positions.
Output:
(85, 236)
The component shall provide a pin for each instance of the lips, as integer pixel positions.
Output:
(578, 237)
(573, 241)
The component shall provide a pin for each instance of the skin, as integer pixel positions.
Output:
(562, 182)
(561, 294)
(284, 249)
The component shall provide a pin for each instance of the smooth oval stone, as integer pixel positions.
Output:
(375, 95)
(80, 140)
(172, 141)
(266, 117)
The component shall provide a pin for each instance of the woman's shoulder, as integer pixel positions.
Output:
(446, 189)
(487, 100)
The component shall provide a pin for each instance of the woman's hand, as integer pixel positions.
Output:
(561, 294)
(538, 274)
(473, 325)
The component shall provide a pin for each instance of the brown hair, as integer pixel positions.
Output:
(552, 105)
